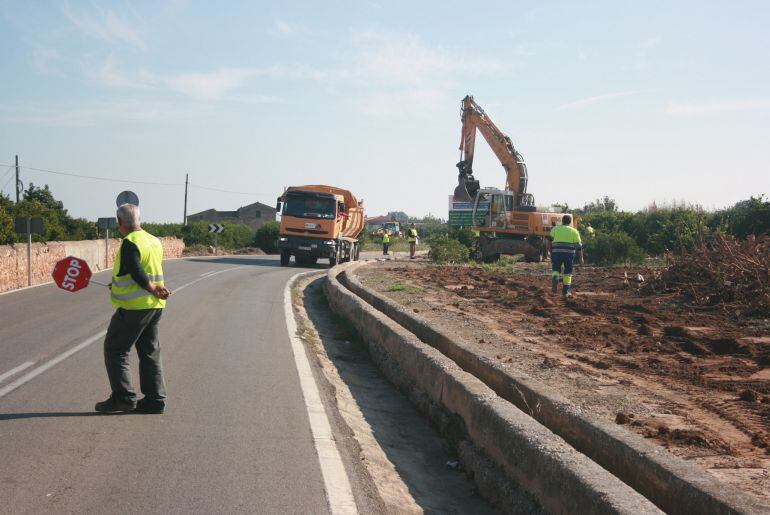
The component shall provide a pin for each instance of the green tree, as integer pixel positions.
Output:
(266, 237)
(601, 204)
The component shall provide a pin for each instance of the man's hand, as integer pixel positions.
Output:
(159, 291)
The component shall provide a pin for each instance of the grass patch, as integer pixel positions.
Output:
(406, 288)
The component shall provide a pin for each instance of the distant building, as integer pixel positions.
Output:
(254, 215)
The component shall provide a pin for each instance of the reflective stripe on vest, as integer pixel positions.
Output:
(129, 281)
(126, 293)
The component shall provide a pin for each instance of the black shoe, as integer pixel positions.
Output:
(113, 405)
(153, 408)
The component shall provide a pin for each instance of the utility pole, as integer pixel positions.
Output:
(186, 181)
(17, 180)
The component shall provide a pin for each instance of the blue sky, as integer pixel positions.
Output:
(639, 100)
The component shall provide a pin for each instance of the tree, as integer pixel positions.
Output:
(44, 196)
(267, 237)
(601, 204)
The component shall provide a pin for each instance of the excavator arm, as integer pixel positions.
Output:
(474, 117)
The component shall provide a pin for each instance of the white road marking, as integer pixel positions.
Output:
(66, 354)
(204, 274)
(42, 368)
(13, 371)
(180, 288)
(338, 490)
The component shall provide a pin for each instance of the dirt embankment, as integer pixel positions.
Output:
(695, 379)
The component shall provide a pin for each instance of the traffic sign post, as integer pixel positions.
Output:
(216, 229)
(30, 225)
(107, 224)
(73, 274)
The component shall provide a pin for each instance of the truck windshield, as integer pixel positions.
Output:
(310, 206)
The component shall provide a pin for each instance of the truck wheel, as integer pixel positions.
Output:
(285, 257)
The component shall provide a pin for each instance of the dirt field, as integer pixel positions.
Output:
(696, 381)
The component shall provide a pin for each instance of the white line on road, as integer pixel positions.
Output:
(66, 354)
(23, 366)
(177, 290)
(336, 480)
(42, 368)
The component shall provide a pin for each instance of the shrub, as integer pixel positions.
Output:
(612, 248)
(267, 237)
(447, 250)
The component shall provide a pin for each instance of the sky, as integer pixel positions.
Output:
(642, 101)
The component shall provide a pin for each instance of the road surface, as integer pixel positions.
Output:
(236, 435)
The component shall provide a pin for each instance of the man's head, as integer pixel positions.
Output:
(412, 226)
(588, 224)
(566, 220)
(128, 218)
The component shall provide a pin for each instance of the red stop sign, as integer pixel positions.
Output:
(71, 274)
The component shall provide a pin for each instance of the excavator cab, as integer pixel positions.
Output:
(492, 208)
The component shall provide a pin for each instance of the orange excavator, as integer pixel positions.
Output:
(506, 220)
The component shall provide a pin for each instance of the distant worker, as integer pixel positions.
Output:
(385, 242)
(411, 235)
(590, 230)
(139, 296)
(562, 244)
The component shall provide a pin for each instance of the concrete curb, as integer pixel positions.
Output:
(674, 485)
(540, 462)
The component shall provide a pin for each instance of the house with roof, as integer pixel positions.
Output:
(254, 215)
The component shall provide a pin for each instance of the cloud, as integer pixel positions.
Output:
(215, 85)
(46, 60)
(583, 102)
(395, 74)
(717, 107)
(107, 74)
(105, 25)
(92, 113)
(285, 29)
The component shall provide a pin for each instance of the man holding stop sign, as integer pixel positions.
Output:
(139, 296)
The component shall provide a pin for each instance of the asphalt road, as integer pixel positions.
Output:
(235, 437)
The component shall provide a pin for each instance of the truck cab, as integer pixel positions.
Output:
(318, 222)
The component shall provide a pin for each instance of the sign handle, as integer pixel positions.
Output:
(97, 282)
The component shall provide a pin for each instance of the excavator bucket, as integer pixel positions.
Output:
(467, 186)
(461, 193)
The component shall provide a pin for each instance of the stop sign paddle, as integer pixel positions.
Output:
(72, 274)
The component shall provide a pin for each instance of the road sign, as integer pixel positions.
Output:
(127, 197)
(216, 228)
(107, 223)
(71, 274)
(36, 225)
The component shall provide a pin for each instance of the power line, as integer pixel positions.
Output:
(228, 191)
(9, 178)
(128, 181)
(106, 179)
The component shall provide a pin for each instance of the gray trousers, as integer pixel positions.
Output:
(139, 327)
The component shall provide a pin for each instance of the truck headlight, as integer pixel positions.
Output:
(283, 238)
(330, 242)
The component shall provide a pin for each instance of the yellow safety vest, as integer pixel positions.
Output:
(412, 235)
(386, 238)
(125, 292)
(566, 239)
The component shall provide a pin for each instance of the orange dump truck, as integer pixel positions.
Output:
(319, 222)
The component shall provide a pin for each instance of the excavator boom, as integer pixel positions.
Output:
(473, 118)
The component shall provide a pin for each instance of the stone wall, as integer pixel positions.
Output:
(13, 258)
